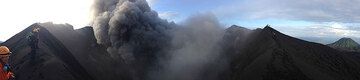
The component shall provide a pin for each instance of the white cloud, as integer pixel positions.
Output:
(169, 15)
(324, 29)
(307, 10)
(330, 19)
(322, 32)
(151, 2)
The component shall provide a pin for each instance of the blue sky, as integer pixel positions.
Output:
(321, 21)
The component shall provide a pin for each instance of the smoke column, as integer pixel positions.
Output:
(124, 25)
(195, 54)
(132, 33)
(136, 36)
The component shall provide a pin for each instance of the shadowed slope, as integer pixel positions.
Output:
(53, 61)
(95, 59)
(271, 55)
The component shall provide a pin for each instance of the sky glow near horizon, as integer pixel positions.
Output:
(326, 19)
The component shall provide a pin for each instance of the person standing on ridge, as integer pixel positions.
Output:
(33, 41)
(5, 71)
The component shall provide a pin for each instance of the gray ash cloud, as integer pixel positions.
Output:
(127, 25)
(195, 53)
(135, 35)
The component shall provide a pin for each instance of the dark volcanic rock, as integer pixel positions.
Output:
(269, 54)
(68, 54)
(346, 44)
(53, 61)
(64, 54)
(82, 43)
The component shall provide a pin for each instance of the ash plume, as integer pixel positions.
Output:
(132, 33)
(127, 25)
(195, 53)
(136, 36)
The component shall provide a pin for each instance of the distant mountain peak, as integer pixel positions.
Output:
(271, 31)
(234, 25)
(346, 39)
(268, 28)
(237, 28)
(345, 44)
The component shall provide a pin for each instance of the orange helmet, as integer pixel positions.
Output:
(4, 50)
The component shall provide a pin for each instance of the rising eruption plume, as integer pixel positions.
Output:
(135, 34)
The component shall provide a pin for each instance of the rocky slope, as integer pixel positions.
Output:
(270, 55)
(66, 53)
(346, 44)
(82, 44)
(53, 61)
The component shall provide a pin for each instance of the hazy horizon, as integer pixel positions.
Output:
(319, 21)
